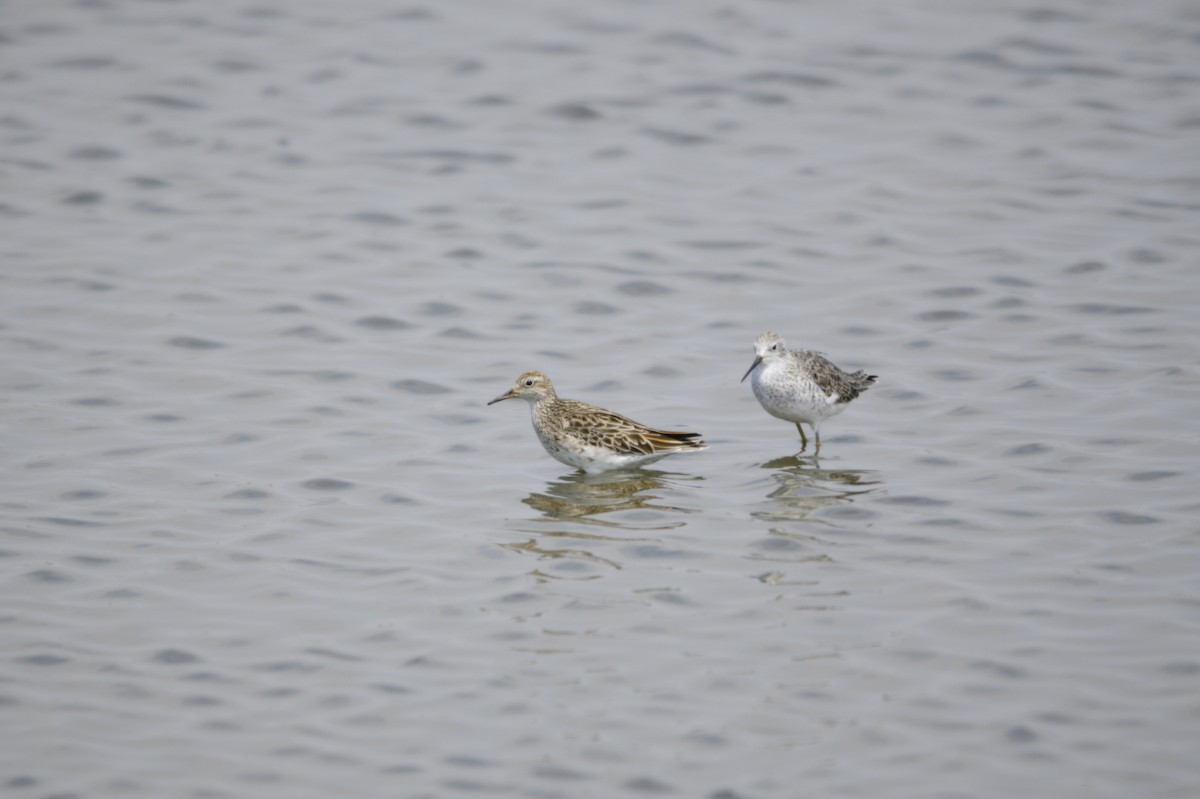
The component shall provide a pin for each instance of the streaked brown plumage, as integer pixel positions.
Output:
(591, 438)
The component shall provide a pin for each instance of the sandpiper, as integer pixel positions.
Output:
(801, 386)
(590, 438)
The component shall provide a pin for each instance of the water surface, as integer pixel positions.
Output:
(263, 265)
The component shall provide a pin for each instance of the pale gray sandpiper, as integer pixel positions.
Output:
(801, 386)
(591, 438)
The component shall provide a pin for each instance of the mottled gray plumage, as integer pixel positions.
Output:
(591, 438)
(801, 386)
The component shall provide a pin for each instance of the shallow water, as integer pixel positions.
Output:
(263, 265)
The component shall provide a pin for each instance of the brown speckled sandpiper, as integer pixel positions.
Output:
(591, 438)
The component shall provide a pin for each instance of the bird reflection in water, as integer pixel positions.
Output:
(602, 509)
(626, 498)
(801, 491)
(802, 488)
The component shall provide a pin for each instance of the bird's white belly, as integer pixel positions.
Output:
(593, 459)
(794, 400)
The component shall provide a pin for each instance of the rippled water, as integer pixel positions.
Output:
(264, 263)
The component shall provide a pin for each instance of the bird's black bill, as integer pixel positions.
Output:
(504, 396)
(757, 361)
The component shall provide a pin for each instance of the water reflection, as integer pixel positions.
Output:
(545, 550)
(605, 511)
(803, 488)
(628, 500)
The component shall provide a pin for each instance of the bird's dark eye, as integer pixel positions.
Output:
(774, 346)
(529, 382)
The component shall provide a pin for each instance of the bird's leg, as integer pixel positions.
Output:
(803, 438)
(817, 437)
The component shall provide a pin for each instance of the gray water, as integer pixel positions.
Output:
(263, 264)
